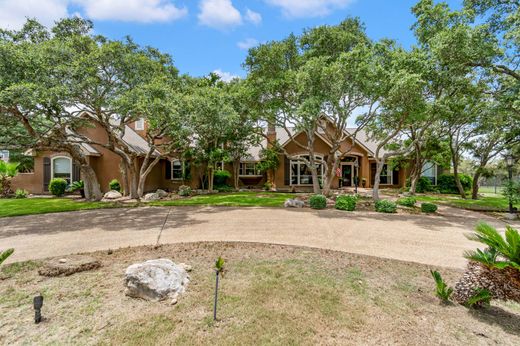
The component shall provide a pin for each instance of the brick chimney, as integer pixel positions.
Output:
(271, 134)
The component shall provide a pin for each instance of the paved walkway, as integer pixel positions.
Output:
(435, 240)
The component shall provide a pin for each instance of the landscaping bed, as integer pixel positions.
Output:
(270, 294)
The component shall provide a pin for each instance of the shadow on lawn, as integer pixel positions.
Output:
(496, 316)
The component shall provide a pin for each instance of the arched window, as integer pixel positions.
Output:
(62, 168)
(300, 172)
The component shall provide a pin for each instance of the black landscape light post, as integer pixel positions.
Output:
(510, 161)
(38, 303)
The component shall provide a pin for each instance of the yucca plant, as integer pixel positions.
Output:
(442, 290)
(5, 254)
(495, 269)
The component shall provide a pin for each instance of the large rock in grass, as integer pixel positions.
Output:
(293, 203)
(112, 195)
(161, 193)
(150, 197)
(156, 280)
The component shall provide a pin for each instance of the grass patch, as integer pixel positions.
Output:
(488, 202)
(237, 199)
(31, 206)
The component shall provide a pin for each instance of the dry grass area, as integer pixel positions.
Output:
(270, 295)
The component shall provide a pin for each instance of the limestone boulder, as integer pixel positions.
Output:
(150, 197)
(112, 195)
(156, 280)
(293, 203)
(161, 193)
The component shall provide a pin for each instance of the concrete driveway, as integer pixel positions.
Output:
(436, 240)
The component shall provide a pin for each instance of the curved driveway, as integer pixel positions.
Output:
(436, 240)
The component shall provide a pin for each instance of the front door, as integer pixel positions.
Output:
(346, 175)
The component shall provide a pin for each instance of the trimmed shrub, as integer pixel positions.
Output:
(267, 186)
(21, 193)
(407, 201)
(318, 202)
(428, 208)
(446, 183)
(114, 185)
(58, 186)
(424, 184)
(184, 190)
(220, 177)
(223, 188)
(346, 202)
(385, 206)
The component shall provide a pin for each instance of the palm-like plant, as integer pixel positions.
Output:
(501, 252)
(5, 254)
(495, 269)
(7, 171)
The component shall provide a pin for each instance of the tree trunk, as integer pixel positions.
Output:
(133, 178)
(330, 174)
(146, 168)
(314, 174)
(236, 168)
(475, 186)
(123, 168)
(457, 179)
(379, 168)
(90, 181)
(210, 178)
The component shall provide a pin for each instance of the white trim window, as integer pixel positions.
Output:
(4, 155)
(300, 174)
(139, 124)
(386, 177)
(177, 170)
(249, 169)
(61, 167)
(429, 170)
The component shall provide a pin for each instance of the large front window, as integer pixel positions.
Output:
(301, 173)
(429, 170)
(180, 170)
(62, 168)
(249, 169)
(386, 176)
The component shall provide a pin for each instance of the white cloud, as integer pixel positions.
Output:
(219, 14)
(308, 8)
(253, 17)
(143, 11)
(247, 43)
(13, 13)
(225, 76)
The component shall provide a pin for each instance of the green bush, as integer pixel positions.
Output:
(77, 185)
(385, 206)
(346, 202)
(424, 184)
(428, 208)
(58, 186)
(21, 193)
(223, 188)
(184, 190)
(446, 183)
(318, 202)
(114, 185)
(220, 177)
(267, 186)
(407, 201)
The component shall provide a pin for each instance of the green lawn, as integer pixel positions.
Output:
(29, 206)
(488, 202)
(237, 199)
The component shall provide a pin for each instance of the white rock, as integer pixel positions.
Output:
(293, 203)
(155, 280)
(112, 195)
(161, 193)
(149, 197)
(186, 267)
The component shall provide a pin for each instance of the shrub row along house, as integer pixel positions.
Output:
(357, 165)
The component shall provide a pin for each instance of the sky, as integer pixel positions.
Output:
(206, 36)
